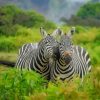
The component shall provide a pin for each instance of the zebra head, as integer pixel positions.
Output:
(48, 43)
(66, 47)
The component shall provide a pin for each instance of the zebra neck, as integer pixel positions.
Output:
(63, 63)
(42, 57)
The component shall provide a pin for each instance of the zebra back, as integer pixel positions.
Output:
(24, 51)
(81, 61)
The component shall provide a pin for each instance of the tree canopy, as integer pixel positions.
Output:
(89, 10)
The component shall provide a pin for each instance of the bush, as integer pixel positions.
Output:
(16, 84)
(88, 15)
(22, 31)
(29, 85)
(49, 25)
(7, 45)
(11, 17)
(95, 55)
(75, 20)
(89, 10)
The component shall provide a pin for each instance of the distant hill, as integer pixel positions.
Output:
(52, 9)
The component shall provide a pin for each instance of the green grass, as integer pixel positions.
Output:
(16, 84)
(25, 85)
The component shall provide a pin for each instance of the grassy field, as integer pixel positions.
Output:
(25, 85)
(16, 85)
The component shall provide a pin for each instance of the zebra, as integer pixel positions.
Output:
(27, 48)
(37, 59)
(70, 60)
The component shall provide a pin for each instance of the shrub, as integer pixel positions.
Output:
(28, 85)
(49, 25)
(89, 10)
(7, 45)
(88, 15)
(11, 17)
(15, 84)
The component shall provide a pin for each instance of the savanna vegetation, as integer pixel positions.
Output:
(18, 27)
(88, 15)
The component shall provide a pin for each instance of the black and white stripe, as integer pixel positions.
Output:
(62, 66)
(37, 59)
(70, 60)
(81, 61)
(24, 51)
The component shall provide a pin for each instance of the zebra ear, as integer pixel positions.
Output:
(71, 32)
(57, 32)
(43, 32)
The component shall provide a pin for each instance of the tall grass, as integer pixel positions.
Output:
(25, 85)
(16, 84)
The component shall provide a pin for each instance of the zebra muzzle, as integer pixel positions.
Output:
(67, 57)
(66, 53)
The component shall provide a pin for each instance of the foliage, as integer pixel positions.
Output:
(23, 35)
(15, 84)
(6, 44)
(10, 16)
(90, 10)
(25, 85)
(88, 15)
(75, 20)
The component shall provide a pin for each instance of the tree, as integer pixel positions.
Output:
(91, 10)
